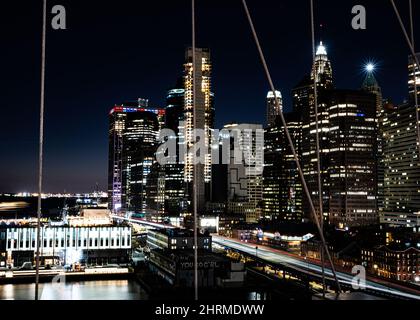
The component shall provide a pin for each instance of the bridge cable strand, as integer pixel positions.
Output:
(41, 149)
(321, 214)
(308, 195)
(415, 61)
(414, 73)
(195, 175)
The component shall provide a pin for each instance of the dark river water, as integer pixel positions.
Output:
(83, 290)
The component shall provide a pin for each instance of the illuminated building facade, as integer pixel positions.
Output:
(89, 238)
(347, 131)
(175, 106)
(401, 167)
(371, 85)
(413, 69)
(68, 245)
(245, 178)
(174, 172)
(272, 110)
(272, 173)
(165, 184)
(176, 239)
(401, 205)
(304, 101)
(396, 262)
(204, 113)
(155, 193)
(132, 145)
(352, 158)
(282, 184)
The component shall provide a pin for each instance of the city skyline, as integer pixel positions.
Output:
(191, 150)
(73, 147)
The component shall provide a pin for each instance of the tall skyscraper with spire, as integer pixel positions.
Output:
(204, 113)
(321, 68)
(272, 109)
(347, 145)
(370, 84)
(304, 98)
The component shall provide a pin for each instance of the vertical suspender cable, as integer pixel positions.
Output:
(292, 147)
(415, 61)
(195, 198)
(415, 66)
(318, 156)
(41, 149)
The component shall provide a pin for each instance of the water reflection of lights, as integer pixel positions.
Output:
(8, 291)
(83, 290)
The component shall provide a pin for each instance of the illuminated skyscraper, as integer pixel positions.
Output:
(411, 70)
(352, 158)
(244, 176)
(304, 102)
(272, 110)
(401, 205)
(272, 172)
(347, 145)
(401, 167)
(175, 106)
(133, 130)
(371, 85)
(282, 184)
(174, 172)
(321, 68)
(204, 120)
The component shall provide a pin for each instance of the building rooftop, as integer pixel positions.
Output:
(188, 255)
(178, 232)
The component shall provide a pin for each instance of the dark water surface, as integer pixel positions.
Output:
(83, 290)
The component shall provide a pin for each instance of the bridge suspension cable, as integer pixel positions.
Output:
(415, 61)
(291, 144)
(195, 174)
(318, 155)
(41, 149)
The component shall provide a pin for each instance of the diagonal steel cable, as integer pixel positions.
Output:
(305, 186)
(195, 176)
(41, 149)
(416, 63)
(318, 155)
(414, 73)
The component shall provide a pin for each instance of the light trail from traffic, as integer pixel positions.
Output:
(277, 257)
(282, 258)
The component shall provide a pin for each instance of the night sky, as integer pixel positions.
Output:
(115, 51)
